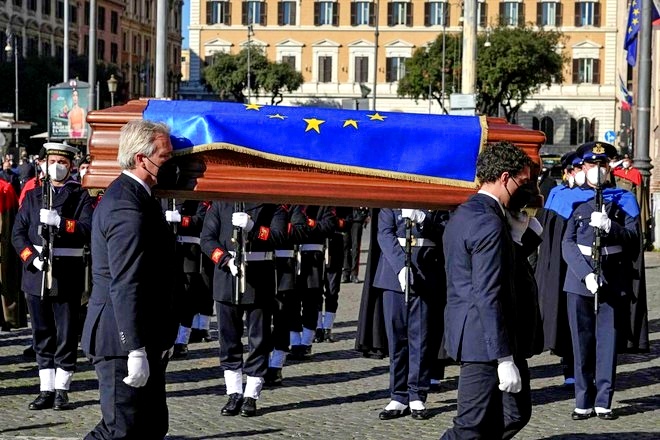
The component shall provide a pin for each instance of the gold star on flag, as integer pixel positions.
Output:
(351, 122)
(635, 21)
(635, 11)
(277, 116)
(313, 124)
(376, 117)
(252, 106)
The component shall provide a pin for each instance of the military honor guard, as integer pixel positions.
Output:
(240, 239)
(51, 228)
(599, 245)
(480, 314)
(132, 318)
(410, 272)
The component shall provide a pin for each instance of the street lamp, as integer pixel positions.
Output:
(112, 88)
(11, 47)
(487, 43)
(249, 43)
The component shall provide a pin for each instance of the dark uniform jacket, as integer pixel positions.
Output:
(270, 230)
(74, 205)
(287, 267)
(321, 224)
(480, 309)
(188, 232)
(134, 272)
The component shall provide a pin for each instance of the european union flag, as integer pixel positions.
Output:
(632, 30)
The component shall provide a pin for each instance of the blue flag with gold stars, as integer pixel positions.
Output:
(426, 148)
(632, 30)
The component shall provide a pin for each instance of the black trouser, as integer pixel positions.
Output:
(128, 412)
(196, 298)
(230, 322)
(331, 292)
(54, 331)
(304, 310)
(352, 239)
(280, 318)
(485, 412)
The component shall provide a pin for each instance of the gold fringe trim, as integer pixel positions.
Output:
(330, 166)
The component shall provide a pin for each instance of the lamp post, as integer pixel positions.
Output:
(11, 47)
(112, 88)
(249, 43)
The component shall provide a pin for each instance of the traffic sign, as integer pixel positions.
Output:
(609, 136)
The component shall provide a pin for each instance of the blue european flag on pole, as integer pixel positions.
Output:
(632, 30)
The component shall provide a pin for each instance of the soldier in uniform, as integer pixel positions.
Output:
(413, 339)
(53, 291)
(594, 332)
(321, 224)
(255, 231)
(352, 240)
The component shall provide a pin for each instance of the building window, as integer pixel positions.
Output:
(361, 69)
(59, 52)
(548, 13)
(59, 11)
(100, 49)
(254, 12)
(436, 13)
(586, 70)
(290, 60)
(362, 13)
(548, 127)
(395, 68)
(582, 130)
(114, 22)
(86, 14)
(32, 46)
(326, 13)
(218, 12)
(45, 49)
(124, 41)
(587, 14)
(286, 13)
(18, 3)
(482, 14)
(114, 53)
(325, 69)
(32, 5)
(399, 13)
(512, 13)
(73, 14)
(101, 18)
(45, 7)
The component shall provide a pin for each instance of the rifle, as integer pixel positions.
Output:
(238, 238)
(408, 250)
(47, 237)
(595, 247)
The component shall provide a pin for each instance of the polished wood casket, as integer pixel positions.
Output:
(227, 175)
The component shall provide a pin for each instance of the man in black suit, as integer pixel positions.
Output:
(480, 311)
(131, 321)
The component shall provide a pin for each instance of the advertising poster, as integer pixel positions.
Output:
(68, 110)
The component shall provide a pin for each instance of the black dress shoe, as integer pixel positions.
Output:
(420, 414)
(44, 400)
(249, 408)
(580, 416)
(389, 414)
(233, 405)
(607, 416)
(327, 335)
(273, 377)
(199, 335)
(180, 351)
(318, 336)
(61, 402)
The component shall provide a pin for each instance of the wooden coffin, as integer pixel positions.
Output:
(228, 175)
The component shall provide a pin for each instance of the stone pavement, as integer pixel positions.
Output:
(335, 395)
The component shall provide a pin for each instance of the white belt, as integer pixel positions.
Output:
(283, 253)
(63, 252)
(187, 239)
(312, 247)
(417, 242)
(607, 250)
(255, 256)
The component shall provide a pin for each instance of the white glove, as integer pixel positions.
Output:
(242, 220)
(173, 216)
(49, 217)
(591, 281)
(138, 368)
(231, 264)
(415, 215)
(508, 374)
(402, 279)
(600, 220)
(38, 263)
(518, 222)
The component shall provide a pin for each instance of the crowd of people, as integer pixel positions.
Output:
(150, 273)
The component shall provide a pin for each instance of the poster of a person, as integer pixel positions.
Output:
(67, 111)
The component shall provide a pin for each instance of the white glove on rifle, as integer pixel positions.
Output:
(138, 368)
(242, 220)
(415, 215)
(173, 216)
(591, 281)
(49, 217)
(38, 263)
(518, 223)
(402, 279)
(600, 220)
(508, 374)
(231, 264)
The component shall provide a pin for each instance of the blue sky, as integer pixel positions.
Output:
(185, 22)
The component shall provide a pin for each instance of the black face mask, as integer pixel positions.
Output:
(168, 175)
(523, 196)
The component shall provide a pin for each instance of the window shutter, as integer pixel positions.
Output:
(316, 14)
(353, 14)
(328, 69)
(427, 15)
(409, 14)
(335, 14)
(209, 10)
(573, 134)
(521, 14)
(280, 14)
(228, 14)
(388, 69)
(390, 16)
(447, 12)
(549, 130)
(502, 18)
(578, 21)
(597, 14)
(484, 14)
(372, 14)
(593, 127)
(358, 69)
(539, 14)
(535, 123)
(244, 14)
(576, 71)
(321, 72)
(293, 13)
(262, 14)
(596, 73)
(558, 15)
